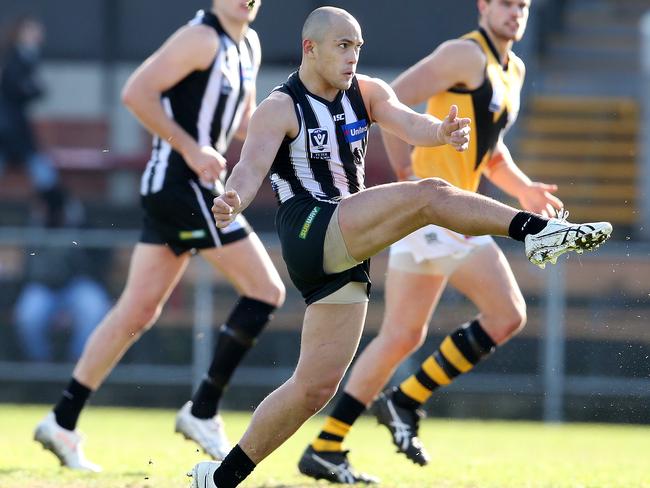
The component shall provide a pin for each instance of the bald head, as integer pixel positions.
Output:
(322, 20)
(331, 42)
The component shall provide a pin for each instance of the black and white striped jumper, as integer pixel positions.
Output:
(326, 159)
(208, 104)
(310, 174)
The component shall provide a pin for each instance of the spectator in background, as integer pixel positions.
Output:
(19, 87)
(62, 286)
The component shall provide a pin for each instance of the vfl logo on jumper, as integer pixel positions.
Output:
(319, 143)
(355, 133)
(308, 221)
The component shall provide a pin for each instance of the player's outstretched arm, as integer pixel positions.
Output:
(412, 127)
(270, 123)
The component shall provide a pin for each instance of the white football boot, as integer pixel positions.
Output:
(210, 434)
(560, 236)
(202, 474)
(64, 444)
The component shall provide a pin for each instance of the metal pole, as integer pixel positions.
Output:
(202, 334)
(643, 189)
(554, 340)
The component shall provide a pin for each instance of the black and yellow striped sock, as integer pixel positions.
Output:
(459, 352)
(338, 424)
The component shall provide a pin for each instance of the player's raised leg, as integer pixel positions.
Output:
(373, 219)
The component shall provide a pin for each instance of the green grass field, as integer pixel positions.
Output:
(138, 449)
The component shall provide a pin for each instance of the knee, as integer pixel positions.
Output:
(518, 314)
(510, 322)
(276, 294)
(136, 318)
(272, 291)
(430, 194)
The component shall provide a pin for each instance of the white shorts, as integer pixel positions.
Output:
(434, 250)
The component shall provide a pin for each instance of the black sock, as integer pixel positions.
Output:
(246, 321)
(234, 469)
(348, 409)
(474, 334)
(71, 403)
(205, 402)
(526, 223)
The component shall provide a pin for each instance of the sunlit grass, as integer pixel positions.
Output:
(138, 449)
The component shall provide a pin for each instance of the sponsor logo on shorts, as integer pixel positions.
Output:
(431, 238)
(186, 235)
(319, 143)
(355, 131)
(308, 221)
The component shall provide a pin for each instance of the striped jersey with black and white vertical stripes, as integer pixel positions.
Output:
(326, 158)
(208, 104)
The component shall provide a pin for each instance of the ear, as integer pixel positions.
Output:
(308, 47)
(481, 5)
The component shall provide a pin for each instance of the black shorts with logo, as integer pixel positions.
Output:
(301, 223)
(180, 216)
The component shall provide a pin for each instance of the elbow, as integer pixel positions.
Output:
(133, 93)
(128, 96)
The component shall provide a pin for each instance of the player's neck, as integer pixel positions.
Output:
(502, 46)
(235, 30)
(316, 84)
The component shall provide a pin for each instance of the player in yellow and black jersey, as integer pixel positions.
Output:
(490, 98)
(482, 76)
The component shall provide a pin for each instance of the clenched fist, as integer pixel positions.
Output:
(225, 208)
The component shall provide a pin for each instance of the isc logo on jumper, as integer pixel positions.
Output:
(319, 143)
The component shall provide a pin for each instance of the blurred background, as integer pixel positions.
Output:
(69, 207)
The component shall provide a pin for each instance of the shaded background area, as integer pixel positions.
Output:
(584, 354)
